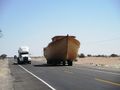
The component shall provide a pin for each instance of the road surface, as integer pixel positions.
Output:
(39, 76)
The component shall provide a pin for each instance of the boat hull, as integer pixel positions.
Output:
(65, 49)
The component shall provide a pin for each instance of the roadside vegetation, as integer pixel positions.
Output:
(3, 56)
(82, 55)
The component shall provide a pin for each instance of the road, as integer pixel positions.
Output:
(39, 76)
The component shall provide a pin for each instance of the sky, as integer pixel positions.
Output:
(95, 23)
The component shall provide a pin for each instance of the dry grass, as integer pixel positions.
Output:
(110, 62)
(113, 62)
(5, 77)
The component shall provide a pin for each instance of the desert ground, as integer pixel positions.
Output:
(107, 62)
(5, 75)
(110, 62)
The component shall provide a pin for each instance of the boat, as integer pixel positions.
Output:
(62, 50)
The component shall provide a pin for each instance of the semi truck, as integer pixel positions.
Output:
(23, 55)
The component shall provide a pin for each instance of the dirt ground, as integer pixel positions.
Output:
(110, 62)
(5, 77)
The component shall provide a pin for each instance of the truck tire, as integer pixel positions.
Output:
(63, 63)
(70, 63)
(18, 61)
(48, 62)
(29, 62)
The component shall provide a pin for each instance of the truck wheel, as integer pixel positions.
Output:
(29, 62)
(18, 61)
(48, 62)
(63, 63)
(54, 63)
(70, 63)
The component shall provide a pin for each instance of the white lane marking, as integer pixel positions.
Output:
(99, 71)
(38, 78)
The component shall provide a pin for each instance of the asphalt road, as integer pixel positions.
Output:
(39, 76)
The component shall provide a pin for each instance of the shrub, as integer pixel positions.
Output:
(3, 56)
(89, 55)
(113, 55)
(81, 55)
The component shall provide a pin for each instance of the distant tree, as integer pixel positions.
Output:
(113, 55)
(3, 56)
(89, 55)
(100, 56)
(81, 55)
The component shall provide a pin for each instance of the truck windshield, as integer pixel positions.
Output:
(24, 53)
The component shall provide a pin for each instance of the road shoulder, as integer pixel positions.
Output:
(5, 75)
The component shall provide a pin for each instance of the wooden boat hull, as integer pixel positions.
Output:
(64, 49)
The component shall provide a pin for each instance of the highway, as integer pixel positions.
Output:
(39, 76)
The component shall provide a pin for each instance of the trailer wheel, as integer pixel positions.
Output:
(49, 62)
(63, 63)
(54, 63)
(70, 63)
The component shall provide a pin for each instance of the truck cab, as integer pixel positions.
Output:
(23, 55)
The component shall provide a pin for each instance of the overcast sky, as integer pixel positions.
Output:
(95, 23)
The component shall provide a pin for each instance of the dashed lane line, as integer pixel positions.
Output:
(106, 81)
(102, 71)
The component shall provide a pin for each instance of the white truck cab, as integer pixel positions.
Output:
(23, 55)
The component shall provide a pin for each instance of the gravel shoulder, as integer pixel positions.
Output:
(5, 75)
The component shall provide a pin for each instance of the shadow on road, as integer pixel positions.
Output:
(46, 65)
(19, 64)
(15, 63)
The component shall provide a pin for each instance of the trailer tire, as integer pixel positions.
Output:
(70, 63)
(63, 63)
